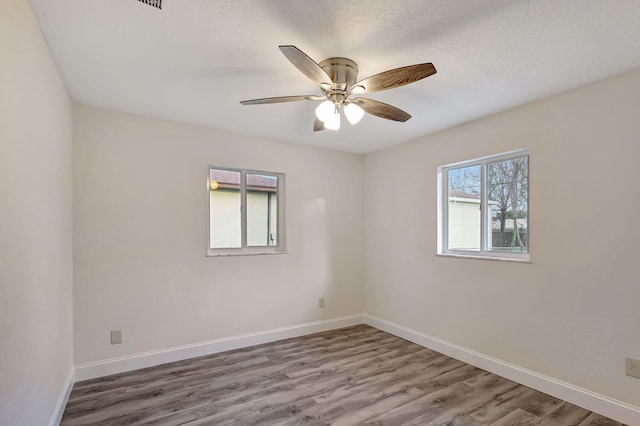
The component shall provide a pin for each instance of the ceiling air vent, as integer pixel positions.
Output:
(154, 3)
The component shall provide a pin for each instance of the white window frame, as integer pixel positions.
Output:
(485, 225)
(244, 250)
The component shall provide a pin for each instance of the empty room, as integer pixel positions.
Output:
(278, 212)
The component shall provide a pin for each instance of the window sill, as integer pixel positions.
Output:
(243, 253)
(496, 259)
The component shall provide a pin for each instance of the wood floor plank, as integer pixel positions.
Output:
(449, 377)
(380, 406)
(381, 378)
(353, 404)
(116, 412)
(466, 404)
(272, 415)
(172, 419)
(517, 417)
(597, 420)
(502, 404)
(567, 414)
(541, 405)
(432, 405)
(352, 376)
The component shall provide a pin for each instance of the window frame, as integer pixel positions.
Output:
(485, 216)
(244, 249)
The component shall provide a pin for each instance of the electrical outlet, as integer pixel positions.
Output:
(632, 367)
(116, 337)
(321, 302)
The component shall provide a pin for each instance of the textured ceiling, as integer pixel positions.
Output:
(194, 60)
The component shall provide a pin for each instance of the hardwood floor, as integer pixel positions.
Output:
(356, 375)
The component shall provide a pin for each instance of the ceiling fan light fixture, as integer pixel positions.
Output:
(354, 113)
(325, 111)
(333, 123)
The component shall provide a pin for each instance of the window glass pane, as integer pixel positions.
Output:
(507, 186)
(224, 207)
(464, 213)
(262, 205)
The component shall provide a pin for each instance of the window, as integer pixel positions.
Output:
(483, 207)
(246, 212)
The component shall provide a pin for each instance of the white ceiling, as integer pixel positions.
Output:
(194, 60)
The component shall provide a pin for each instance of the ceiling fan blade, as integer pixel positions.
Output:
(305, 64)
(382, 110)
(318, 125)
(395, 78)
(282, 99)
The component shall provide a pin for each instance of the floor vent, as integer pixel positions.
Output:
(154, 3)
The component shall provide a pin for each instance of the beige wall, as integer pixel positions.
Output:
(35, 223)
(141, 235)
(572, 313)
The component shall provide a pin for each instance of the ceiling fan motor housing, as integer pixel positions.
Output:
(343, 72)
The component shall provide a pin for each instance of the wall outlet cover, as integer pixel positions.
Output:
(116, 337)
(632, 367)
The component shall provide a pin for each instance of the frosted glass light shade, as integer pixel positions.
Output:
(353, 113)
(325, 111)
(333, 123)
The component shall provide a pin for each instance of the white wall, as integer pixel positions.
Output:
(140, 236)
(573, 313)
(35, 224)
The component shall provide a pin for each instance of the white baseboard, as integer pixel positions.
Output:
(592, 401)
(148, 359)
(58, 410)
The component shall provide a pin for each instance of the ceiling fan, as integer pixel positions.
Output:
(338, 80)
